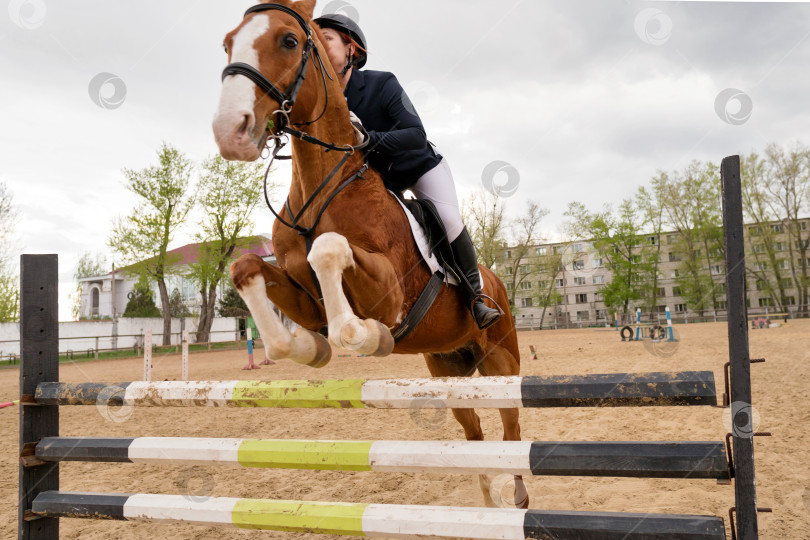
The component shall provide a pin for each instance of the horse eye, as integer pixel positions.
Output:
(290, 41)
(225, 48)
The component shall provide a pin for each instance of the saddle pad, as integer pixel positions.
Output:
(421, 242)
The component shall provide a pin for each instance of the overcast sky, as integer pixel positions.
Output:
(586, 100)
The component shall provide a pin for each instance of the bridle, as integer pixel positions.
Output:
(282, 128)
(286, 100)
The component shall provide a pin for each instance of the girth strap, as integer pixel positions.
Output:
(420, 308)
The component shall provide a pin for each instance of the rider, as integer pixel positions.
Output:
(398, 147)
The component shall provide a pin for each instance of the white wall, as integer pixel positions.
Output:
(129, 333)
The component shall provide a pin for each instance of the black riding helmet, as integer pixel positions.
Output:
(344, 24)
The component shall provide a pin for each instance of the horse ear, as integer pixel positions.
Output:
(306, 8)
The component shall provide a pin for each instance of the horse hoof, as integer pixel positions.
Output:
(385, 342)
(319, 352)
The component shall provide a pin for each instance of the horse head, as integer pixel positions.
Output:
(273, 77)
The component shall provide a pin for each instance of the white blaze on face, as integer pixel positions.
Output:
(238, 97)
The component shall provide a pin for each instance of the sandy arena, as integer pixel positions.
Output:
(780, 392)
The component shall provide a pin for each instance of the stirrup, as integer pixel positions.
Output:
(480, 297)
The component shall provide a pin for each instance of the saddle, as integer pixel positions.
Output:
(438, 245)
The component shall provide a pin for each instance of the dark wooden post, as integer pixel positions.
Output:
(39, 348)
(741, 408)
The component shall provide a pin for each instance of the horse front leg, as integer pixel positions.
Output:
(331, 256)
(257, 282)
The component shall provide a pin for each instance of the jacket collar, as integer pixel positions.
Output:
(354, 90)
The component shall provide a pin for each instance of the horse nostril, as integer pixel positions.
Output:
(244, 127)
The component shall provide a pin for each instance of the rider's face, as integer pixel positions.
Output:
(336, 49)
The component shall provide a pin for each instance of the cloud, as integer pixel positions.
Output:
(567, 92)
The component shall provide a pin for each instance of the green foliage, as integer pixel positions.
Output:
(229, 192)
(177, 307)
(9, 296)
(691, 200)
(162, 204)
(9, 281)
(232, 305)
(616, 237)
(141, 302)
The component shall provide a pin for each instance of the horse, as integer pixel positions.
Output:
(348, 241)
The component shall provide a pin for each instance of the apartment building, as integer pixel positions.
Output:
(583, 273)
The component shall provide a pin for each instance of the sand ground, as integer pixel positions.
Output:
(780, 392)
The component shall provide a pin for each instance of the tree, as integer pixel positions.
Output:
(229, 192)
(141, 302)
(692, 204)
(788, 188)
(761, 255)
(483, 215)
(89, 265)
(651, 204)
(616, 237)
(177, 307)
(9, 283)
(142, 238)
(525, 233)
(549, 266)
(232, 305)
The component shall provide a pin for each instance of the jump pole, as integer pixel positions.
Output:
(147, 355)
(669, 326)
(9, 404)
(39, 362)
(250, 365)
(185, 355)
(739, 354)
(639, 333)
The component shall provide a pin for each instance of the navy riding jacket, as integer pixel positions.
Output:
(398, 147)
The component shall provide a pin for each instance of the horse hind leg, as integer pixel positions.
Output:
(499, 361)
(330, 255)
(253, 279)
(461, 363)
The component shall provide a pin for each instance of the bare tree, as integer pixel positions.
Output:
(483, 215)
(788, 187)
(525, 234)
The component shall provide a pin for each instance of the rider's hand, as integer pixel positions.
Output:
(357, 125)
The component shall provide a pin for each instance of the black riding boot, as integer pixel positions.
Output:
(464, 253)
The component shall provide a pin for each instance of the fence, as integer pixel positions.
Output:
(88, 338)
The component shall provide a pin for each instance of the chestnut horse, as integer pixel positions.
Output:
(362, 251)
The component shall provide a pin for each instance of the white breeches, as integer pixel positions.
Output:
(437, 186)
